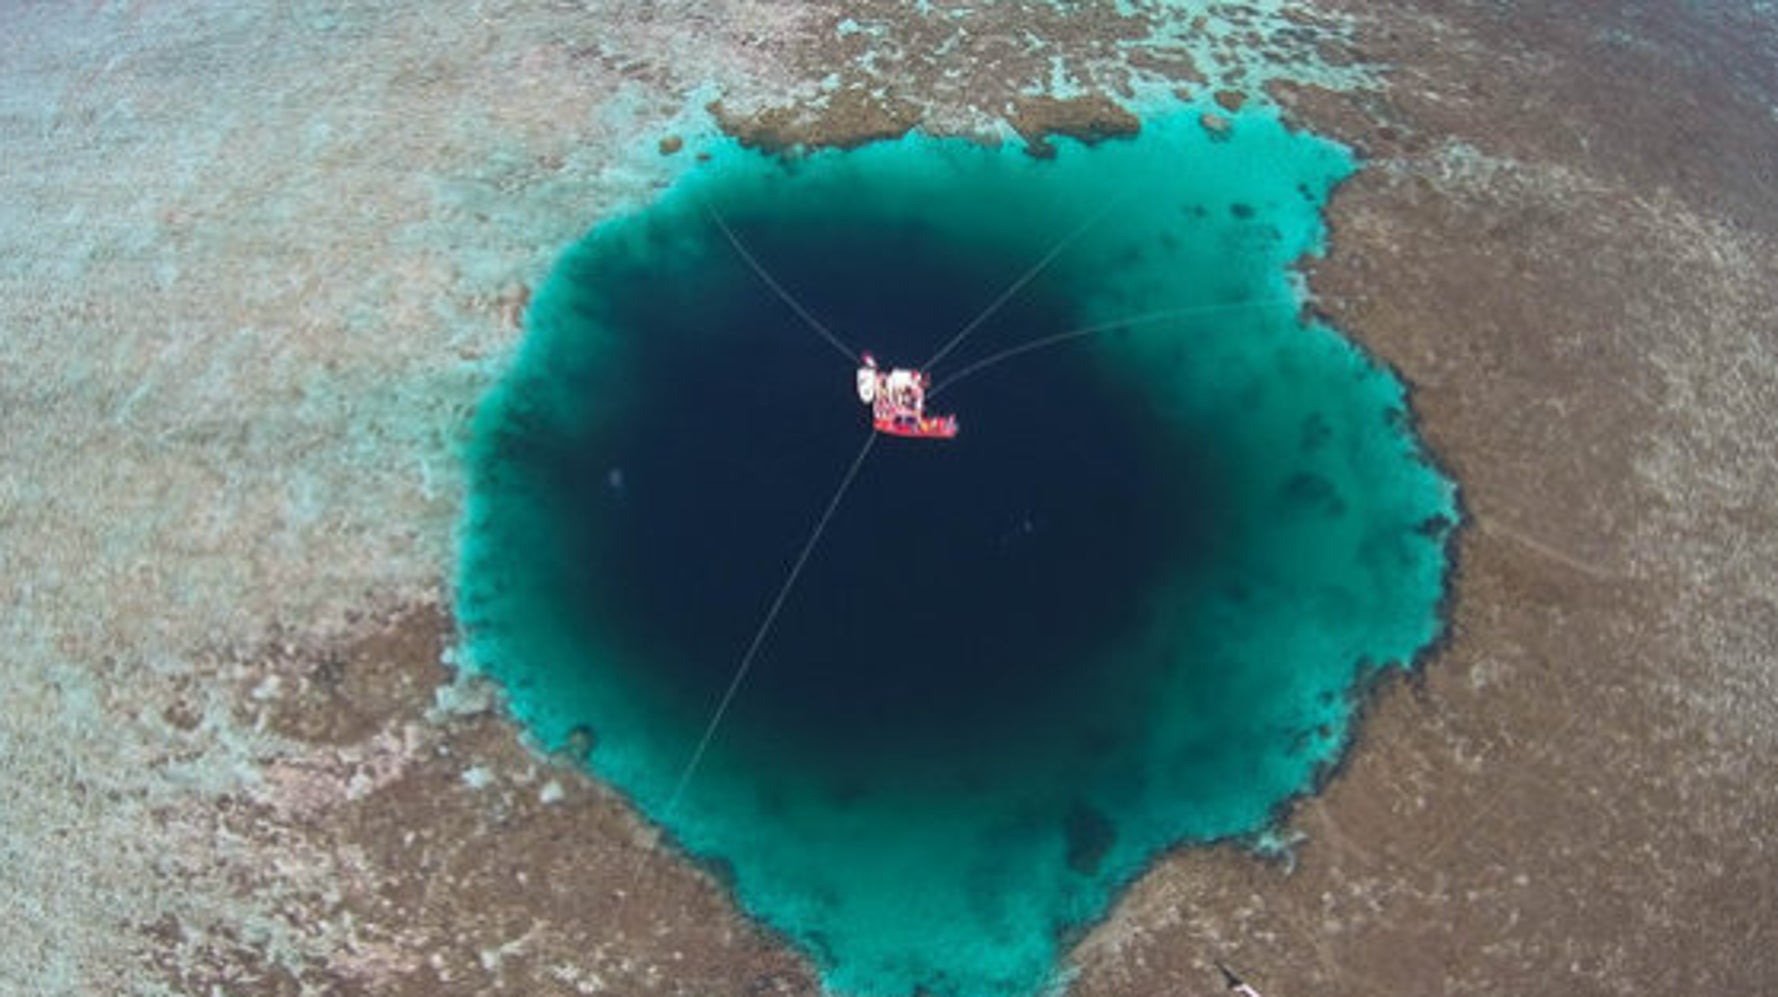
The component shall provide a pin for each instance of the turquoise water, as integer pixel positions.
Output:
(1128, 608)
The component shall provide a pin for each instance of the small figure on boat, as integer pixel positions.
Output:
(897, 398)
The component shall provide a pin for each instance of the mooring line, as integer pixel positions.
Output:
(1017, 285)
(759, 635)
(1092, 330)
(785, 296)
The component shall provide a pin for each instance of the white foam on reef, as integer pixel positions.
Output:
(1246, 47)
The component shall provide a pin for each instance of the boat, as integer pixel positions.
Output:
(897, 398)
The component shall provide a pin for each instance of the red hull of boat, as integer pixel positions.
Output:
(942, 428)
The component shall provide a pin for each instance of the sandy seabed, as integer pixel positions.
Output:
(257, 265)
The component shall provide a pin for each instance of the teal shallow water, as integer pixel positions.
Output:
(1128, 609)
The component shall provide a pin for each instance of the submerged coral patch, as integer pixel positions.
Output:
(1125, 608)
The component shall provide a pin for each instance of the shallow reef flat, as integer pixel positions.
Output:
(259, 264)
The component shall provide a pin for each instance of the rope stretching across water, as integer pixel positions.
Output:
(765, 626)
(1055, 339)
(747, 659)
(823, 331)
(1019, 284)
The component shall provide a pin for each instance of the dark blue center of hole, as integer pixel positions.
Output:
(961, 585)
